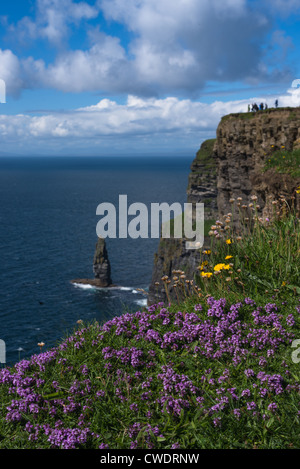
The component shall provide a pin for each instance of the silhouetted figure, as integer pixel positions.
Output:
(255, 107)
(261, 106)
(276, 103)
(266, 106)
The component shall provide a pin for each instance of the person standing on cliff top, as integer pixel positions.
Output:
(276, 103)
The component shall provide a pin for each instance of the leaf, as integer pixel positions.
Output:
(53, 395)
(270, 422)
(294, 287)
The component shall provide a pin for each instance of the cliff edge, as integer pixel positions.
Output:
(229, 167)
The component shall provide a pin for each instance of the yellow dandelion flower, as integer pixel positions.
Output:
(228, 257)
(219, 267)
(206, 274)
(228, 241)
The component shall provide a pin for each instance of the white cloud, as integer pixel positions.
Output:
(10, 72)
(169, 121)
(175, 49)
(52, 20)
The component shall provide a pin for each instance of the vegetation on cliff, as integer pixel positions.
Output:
(285, 162)
(215, 369)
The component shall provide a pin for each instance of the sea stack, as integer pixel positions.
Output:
(101, 265)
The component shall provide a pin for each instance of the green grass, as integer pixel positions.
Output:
(205, 152)
(285, 162)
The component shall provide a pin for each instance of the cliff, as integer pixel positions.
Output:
(172, 254)
(244, 143)
(231, 167)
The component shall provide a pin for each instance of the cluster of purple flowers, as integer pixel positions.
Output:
(217, 359)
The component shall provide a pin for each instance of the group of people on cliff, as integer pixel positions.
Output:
(262, 107)
(255, 107)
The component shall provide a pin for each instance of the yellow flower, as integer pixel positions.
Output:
(228, 241)
(228, 257)
(206, 274)
(283, 284)
(298, 190)
(219, 267)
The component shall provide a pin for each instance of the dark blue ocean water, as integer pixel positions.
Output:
(48, 235)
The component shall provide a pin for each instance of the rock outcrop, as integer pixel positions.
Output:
(244, 143)
(101, 268)
(101, 265)
(230, 167)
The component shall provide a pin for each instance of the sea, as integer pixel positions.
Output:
(48, 235)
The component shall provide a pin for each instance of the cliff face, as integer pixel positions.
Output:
(172, 254)
(202, 184)
(244, 143)
(231, 167)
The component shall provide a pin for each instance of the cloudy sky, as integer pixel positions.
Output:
(111, 77)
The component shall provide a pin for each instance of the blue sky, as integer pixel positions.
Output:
(100, 77)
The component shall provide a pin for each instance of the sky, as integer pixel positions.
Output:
(139, 77)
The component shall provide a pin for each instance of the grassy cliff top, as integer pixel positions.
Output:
(205, 152)
(294, 113)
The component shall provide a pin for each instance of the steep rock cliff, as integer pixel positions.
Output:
(244, 143)
(172, 253)
(227, 168)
